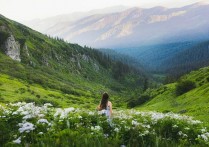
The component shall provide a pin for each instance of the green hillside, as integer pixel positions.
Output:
(194, 102)
(52, 70)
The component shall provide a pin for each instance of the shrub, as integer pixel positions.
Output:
(207, 79)
(38, 96)
(3, 37)
(22, 90)
(184, 86)
(141, 100)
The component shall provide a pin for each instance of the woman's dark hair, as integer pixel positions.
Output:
(104, 101)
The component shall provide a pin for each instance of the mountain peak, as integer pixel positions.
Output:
(1, 16)
(158, 8)
(195, 5)
(136, 26)
(204, 2)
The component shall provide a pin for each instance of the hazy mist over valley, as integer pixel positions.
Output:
(132, 27)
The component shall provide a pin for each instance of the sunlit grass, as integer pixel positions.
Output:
(194, 103)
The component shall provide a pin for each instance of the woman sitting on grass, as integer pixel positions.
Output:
(105, 105)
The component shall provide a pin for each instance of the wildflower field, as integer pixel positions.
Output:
(25, 124)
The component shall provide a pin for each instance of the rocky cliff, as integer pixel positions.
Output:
(12, 48)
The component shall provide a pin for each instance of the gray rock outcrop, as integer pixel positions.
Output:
(12, 48)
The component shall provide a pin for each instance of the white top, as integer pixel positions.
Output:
(107, 113)
(108, 110)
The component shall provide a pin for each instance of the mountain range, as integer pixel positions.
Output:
(132, 27)
(60, 21)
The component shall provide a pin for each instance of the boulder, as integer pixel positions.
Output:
(12, 48)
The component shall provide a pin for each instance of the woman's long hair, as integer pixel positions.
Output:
(104, 101)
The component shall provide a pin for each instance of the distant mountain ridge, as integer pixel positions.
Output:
(137, 26)
(63, 20)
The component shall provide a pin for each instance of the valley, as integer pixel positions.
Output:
(155, 71)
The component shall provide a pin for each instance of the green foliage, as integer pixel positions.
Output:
(194, 102)
(44, 125)
(3, 37)
(189, 59)
(141, 100)
(207, 79)
(184, 86)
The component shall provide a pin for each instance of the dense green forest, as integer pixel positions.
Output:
(124, 58)
(154, 57)
(187, 60)
(169, 60)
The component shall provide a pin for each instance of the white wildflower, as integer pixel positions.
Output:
(195, 122)
(26, 127)
(146, 132)
(180, 133)
(91, 113)
(106, 135)
(116, 130)
(63, 113)
(41, 115)
(95, 128)
(17, 141)
(43, 121)
(28, 116)
(147, 126)
(203, 130)
(48, 104)
(175, 126)
(204, 137)
(135, 123)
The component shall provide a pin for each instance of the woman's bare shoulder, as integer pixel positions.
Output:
(109, 103)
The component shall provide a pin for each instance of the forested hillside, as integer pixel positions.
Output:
(55, 65)
(124, 58)
(154, 57)
(187, 60)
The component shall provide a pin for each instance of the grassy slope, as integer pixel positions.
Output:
(194, 103)
(13, 90)
(50, 73)
(78, 92)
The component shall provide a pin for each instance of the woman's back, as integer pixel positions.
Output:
(109, 109)
(105, 105)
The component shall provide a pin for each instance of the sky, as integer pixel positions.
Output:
(22, 10)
